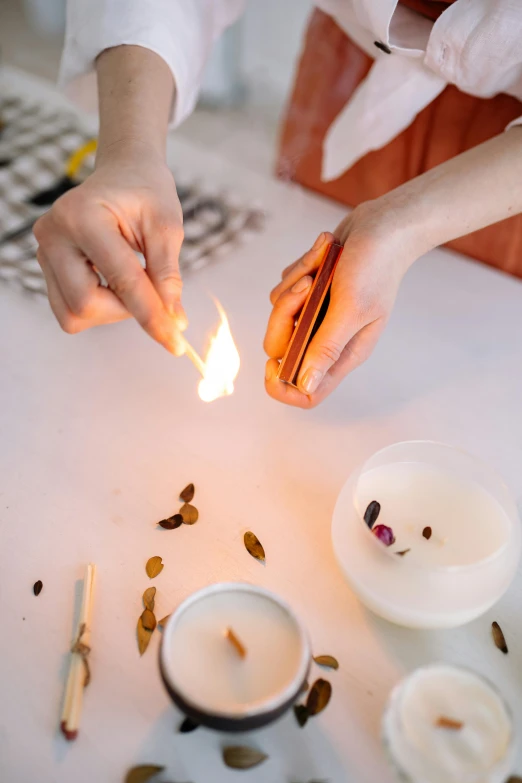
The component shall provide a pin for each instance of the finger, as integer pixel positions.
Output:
(303, 266)
(111, 254)
(162, 245)
(281, 323)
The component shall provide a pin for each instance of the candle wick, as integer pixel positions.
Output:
(236, 643)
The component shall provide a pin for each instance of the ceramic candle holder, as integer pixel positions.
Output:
(456, 529)
(205, 673)
(447, 724)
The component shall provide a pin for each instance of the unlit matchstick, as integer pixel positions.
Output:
(78, 671)
(234, 641)
(195, 358)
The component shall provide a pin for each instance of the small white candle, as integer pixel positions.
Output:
(206, 675)
(473, 546)
(478, 749)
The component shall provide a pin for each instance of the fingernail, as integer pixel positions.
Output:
(268, 372)
(302, 285)
(181, 318)
(311, 380)
(318, 242)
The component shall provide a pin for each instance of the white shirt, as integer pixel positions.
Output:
(475, 45)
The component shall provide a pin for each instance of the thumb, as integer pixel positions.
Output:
(326, 346)
(162, 248)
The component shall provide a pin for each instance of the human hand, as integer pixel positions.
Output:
(128, 204)
(376, 255)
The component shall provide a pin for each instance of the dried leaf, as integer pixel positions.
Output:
(148, 598)
(189, 514)
(148, 620)
(242, 757)
(163, 620)
(403, 552)
(427, 533)
(254, 546)
(318, 697)
(449, 723)
(154, 566)
(143, 637)
(498, 637)
(142, 773)
(37, 587)
(371, 513)
(301, 714)
(187, 494)
(171, 523)
(188, 725)
(327, 660)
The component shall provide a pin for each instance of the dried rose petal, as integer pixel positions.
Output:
(384, 534)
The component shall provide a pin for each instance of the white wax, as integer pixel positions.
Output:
(205, 668)
(468, 524)
(479, 752)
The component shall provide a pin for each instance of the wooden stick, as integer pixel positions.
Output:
(236, 643)
(76, 679)
(195, 358)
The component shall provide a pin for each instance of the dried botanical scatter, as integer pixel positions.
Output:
(254, 546)
(142, 773)
(188, 725)
(148, 598)
(371, 513)
(171, 523)
(148, 620)
(242, 757)
(37, 587)
(403, 552)
(498, 637)
(449, 723)
(301, 714)
(427, 533)
(154, 566)
(187, 494)
(318, 697)
(384, 534)
(144, 635)
(163, 621)
(189, 514)
(236, 643)
(328, 661)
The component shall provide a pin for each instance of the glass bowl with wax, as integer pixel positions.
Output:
(234, 657)
(447, 724)
(427, 535)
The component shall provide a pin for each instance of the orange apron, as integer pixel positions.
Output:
(330, 68)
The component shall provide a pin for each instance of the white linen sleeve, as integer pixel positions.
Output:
(182, 32)
(513, 123)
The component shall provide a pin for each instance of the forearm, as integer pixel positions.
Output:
(472, 190)
(135, 89)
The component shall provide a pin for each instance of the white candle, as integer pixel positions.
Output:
(206, 675)
(479, 748)
(471, 547)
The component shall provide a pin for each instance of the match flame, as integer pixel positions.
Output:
(221, 362)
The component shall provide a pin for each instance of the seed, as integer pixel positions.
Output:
(188, 725)
(498, 637)
(142, 773)
(384, 534)
(241, 757)
(163, 621)
(154, 566)
(148, 620)
(171, 523)
(254, 546)
(371, 513)
(449, 723)
(301, 714)
(187, 494)
(318, 697)
(37, 587)
(148, 598)
(328, 661)
(427, 533)
(143, 637)
(189, 514)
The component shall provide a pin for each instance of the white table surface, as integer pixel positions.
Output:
(99, 432)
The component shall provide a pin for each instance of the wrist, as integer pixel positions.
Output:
(127, 150)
